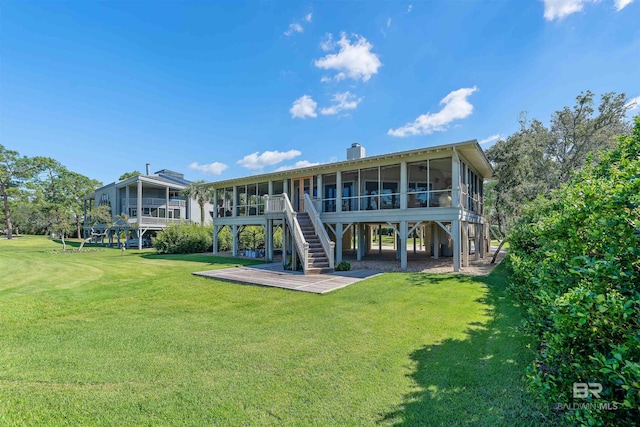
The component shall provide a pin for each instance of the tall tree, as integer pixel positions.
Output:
(128, 175)
(202, 193)
(61, 190)
(579, 132)
(15, 170)
(536, 159)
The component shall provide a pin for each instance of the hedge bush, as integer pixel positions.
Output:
(343, 266)
(576, 270)
(184, 239)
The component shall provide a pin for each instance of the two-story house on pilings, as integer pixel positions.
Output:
(332, 209)
(151, 201)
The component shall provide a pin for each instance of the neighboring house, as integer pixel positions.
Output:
(151, 201)
(328, 209)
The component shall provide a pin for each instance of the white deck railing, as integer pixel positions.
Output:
(273, 204)
(151, 220)
(298, 237)
(327, 244)
(153, 201)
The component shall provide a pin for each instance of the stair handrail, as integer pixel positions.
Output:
(298, 237)
(327, 244)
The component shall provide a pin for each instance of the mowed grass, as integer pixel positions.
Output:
(98, 339)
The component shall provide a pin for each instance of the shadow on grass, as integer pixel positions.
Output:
(478, 380)
(204, 258)
(150, 253)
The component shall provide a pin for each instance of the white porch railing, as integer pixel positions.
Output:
(298, 237)
(150, 220)
(273, 204)
(327, 244)
(153, 201)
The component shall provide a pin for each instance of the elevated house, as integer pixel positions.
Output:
(151, 201)
(333, 209)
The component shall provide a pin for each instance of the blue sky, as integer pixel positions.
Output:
(224, 89)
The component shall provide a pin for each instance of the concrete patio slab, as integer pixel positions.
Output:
(275, 276)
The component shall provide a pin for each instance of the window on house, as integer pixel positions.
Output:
(390, 187)
(441, 183)
(329, 193)
(350, 185)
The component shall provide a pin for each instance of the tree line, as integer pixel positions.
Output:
(537, 159)
(41, 196)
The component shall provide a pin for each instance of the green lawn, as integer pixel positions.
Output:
(98, 339)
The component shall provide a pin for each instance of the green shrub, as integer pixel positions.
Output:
(576, 264)
(184, 239)
(225, 239)
(343, 266)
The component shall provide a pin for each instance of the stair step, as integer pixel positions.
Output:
(319, 264)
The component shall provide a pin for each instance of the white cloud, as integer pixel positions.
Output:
(268, 158)
(343, 101)
(303, 107)
(388, 22)
(294, 28)
(489, 139)
(558, 9)
(621, 4)
(325, 79)
(297, 165)
(633, 104)
(215, 168)
(409, 8)
(327, 44)
(455, 107)
(355, 60)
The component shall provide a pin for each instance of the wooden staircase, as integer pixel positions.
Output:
(318, 261)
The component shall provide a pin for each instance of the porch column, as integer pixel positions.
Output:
(339, 195)
(360, 247)
(166, 197)
(476, 242)
(456, 230)
(455, 180)
(139, 200)
(234, 204)
(338, 242)
(215, 239)
(270, 183)
(403, 185)
(436, 240)
(285, 187)
(284, 243)
(465, 244)
(482, 240)
(215, 203)
(269, 248)
(403, 245)
(234, 234)
(320, 195)
(126, 200)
